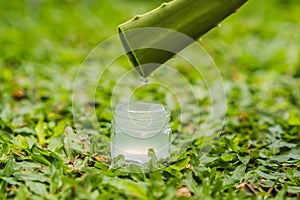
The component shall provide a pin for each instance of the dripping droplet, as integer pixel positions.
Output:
(144, 80)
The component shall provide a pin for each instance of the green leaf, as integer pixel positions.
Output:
(3, 186)
(37, 188)
(294, 119)
(30, 176)
(40, 131)
(293, 189)
(21, 142)
(72, 144)
(266, 176)
(153, 163)
(229, 157)
(237, 175)
(192, 184)
(58, 129)
(118, 162)
(136, 173)
(244, 159)
(24, 131)
(5, 148)
(290, 173)
(281, 195)
(91, 181)
(181, 164)
(10, 180)
(239, 172)
(55, 143)
(24, 165)
(9, 168)
(40, 158)
(290, 155)
(280, 144)
(131, 188)
(101, 165)
(55, 180)
(206, 159)
(22, 193)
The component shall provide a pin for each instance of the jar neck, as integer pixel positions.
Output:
(141, 119)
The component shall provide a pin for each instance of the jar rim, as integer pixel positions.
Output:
(141, 119)
(141, 108)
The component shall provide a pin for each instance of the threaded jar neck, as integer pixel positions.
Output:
(141, 119)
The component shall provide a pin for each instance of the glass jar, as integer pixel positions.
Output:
(137, 127)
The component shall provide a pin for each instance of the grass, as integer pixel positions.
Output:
(42, 46)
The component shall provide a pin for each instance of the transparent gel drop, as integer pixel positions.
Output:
(144, 80)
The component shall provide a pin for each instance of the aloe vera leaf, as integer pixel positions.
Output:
(190, 17)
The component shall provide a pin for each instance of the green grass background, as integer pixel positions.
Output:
(42, 44)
